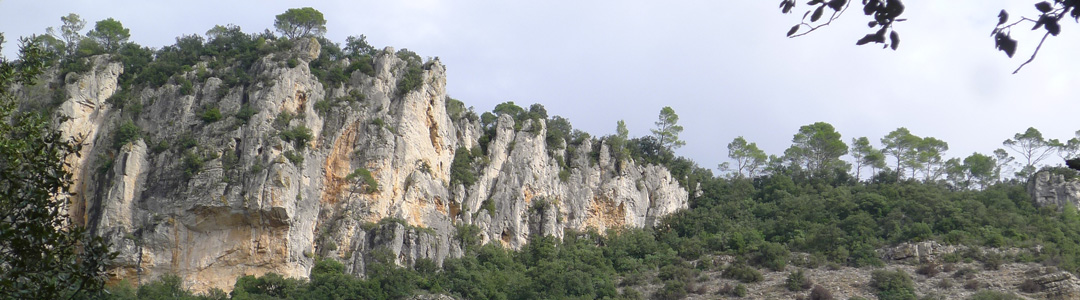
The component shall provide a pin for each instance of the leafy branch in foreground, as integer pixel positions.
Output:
(885, 13)
(41, 255)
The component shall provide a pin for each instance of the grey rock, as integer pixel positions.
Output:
(214, 200)
(1048, 189)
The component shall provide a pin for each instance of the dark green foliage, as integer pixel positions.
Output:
(110, 34)
(892, 285)
(166, 287)
(42, 256)
(363, 175)
(773, 256)
(187, 141)
(210, 115)
(323, 107)
(126, 133)
(192, 164)
(461, 169)
(363, 63)
(743, 273)
(186, 88)
(797, 281)
(300, 22)
(299, 136)
(558, 129)
(413, 72)
(740, 290)
(327, 67)
(245, 113)
(489, 206)
(160, 146)
(269, 286)
(283, 119)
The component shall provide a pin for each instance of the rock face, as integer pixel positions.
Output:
(211, 199)
(1051, 189)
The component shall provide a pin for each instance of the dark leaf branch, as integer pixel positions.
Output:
(884, 13)
(1050, 15)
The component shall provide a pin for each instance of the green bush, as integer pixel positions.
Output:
(245, 113)
(413, 78)
(740, 290)
(186, 88)
(296, 158)
(161, 146)
(892, 285)
(489, 206)
(283, 119)
(126, 133)
(191, 164)
(210, 115)
(370, 185)
(564, 175)
(323, 107)
(299, 136)
(743, 273)
(797, 281)
(167, 286)
(461, 169)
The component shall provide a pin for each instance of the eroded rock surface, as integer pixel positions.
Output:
(211, 200)
(1049, 189)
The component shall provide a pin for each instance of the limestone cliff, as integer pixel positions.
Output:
(1050, 189)
(281, 175)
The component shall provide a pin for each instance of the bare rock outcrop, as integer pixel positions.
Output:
(295, 169)
(1049, 189)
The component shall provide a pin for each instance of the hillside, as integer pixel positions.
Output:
(229, 167)
(293, 167)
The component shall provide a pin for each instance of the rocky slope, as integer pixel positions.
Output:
(213, 198)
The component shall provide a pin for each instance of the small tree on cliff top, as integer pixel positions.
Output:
(298, 22)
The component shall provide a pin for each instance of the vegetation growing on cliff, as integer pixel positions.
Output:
(804, 201)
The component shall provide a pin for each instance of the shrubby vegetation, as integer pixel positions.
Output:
(808, 200)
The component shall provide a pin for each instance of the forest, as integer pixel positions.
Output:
(823, 202)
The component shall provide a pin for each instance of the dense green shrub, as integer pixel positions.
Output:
(186, 87)
(892, 285)
(299, 136)
(461, 169)
(323, 107)
(489, 206)
(192, 164)
(245, 113)
(210, 115)
(126, 133)
(743, 273)
(797, 281)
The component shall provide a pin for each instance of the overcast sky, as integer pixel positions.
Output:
(724, 66)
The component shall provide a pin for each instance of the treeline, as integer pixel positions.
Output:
(819, 150)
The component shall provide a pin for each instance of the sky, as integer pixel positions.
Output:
(725, 67)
